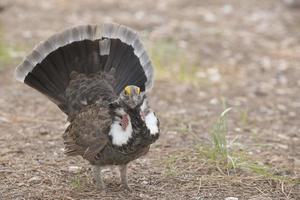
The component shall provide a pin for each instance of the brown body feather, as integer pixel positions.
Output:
(87, 135)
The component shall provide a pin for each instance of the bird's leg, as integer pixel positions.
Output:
(98, 178)
(123, 174)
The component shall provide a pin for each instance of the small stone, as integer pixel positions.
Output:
(231, 198)
(214, 75)
(4, 119)
(145, 182)
(292, 114)
(213, 101)
(266, 63)
(34, 179)
(210, 17)
(227, 9)
(74, 169)
(105, 170)
(140, 15)
(20, 184)
(144, 196)
(238, 129)
(281, 107)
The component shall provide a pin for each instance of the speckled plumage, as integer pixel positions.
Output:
(99, 77)
(87, 135)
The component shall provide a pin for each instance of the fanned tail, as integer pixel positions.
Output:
(87, 49)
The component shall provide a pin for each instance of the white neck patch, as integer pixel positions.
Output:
(118, 134)
(151, 123)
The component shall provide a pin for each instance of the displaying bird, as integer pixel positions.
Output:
(99, 76)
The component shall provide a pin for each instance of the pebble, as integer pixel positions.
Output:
(34, 179)
(214, 101)
(227, 9)
(145, 182)
(231, 198)
(74, 169)
(210, 17)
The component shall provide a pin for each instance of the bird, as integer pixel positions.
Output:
(100, 77)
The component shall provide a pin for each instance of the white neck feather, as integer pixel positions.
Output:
(121, 137)
(150, 118)
(152, 123)
(118, 134)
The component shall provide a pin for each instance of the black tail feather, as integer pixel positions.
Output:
(51, 74)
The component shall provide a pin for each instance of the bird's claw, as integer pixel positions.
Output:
(126, 187)
(101, 188)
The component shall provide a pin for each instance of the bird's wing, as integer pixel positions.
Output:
(87, 134)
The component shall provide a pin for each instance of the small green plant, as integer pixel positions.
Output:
(8, 52)
(76, 183)
(218, 134)
(244, 116)
(4, 53)
(219, 151)
(225, 157)
(170, 164)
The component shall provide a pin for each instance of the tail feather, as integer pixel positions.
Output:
(86, 49)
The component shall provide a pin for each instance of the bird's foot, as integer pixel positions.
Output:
(125, 187)
(100, 186)
(124, 182)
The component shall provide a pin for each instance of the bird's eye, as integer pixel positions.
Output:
(138, 90)
(127, 91)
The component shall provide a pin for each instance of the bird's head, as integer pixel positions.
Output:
(132, 96)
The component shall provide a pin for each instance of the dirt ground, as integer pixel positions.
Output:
(247, 52)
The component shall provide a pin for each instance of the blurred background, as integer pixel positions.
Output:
(237, 56)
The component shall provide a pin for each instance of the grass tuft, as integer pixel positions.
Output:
(170, 163)
(229, 160)
(5, 56)
(76, 183)
(219, 151)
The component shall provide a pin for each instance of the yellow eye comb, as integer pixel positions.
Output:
(138, 90)
(127, 90)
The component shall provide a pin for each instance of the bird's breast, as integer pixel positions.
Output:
(121, 129)
(126, 128)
